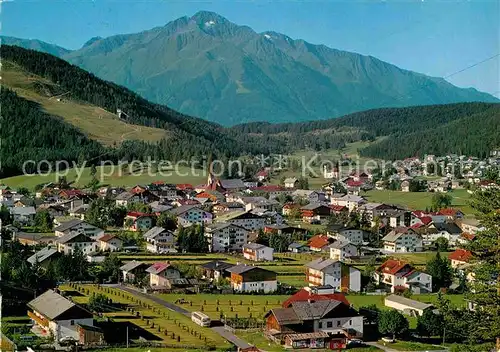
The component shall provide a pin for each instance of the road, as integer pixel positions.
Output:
(217, 329)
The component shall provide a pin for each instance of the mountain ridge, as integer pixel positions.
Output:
(208, 66)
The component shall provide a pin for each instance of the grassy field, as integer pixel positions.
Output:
(228, 305)
(418, 200)
(411, 346)
(110, 176)
(154, 318)
(95, 122)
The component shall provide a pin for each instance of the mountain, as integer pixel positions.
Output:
(209, 67)
(35, 45)
(50, 100)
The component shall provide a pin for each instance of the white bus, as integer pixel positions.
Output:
(200, 319)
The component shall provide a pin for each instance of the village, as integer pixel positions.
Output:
(242, 264)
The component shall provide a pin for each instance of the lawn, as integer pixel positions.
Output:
(153, 317)
(417, 258)
(108, 175)
(418, 200)
(411, 346)
(230, 305)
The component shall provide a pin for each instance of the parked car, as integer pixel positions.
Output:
(67, 341)
(355, 343)
(388, 339)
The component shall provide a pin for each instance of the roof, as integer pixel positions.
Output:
(232, 183)
(235, 215)
(450, 212)
(398, 232)
(138, 214)
(124, 196)
(153, 232)
(42, 255)
(184, 186)
(131, 265)
(269, 188)
(70, 237)
(408, 302)
(290, 180)
(320, 264)
(451, 227)
(304, 295)
(222, 225)
(309, 310)
(340, 244)
(51, 304)
(392, 266)
(295, 245)
(307, 336)
(352, 198)
(217, 265)
(242, 268)
(182, 209)
(319, 241)
(107, 237)
(286, 316)
(23, 211)
(254, 246)
(312, 206)
(68, 225)
(461, 255)
(157, 268)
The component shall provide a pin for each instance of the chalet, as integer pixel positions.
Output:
(403, 240)
(400, 275)
(361, 176)
(188, 215)
(452, 214)
(210, 196)
(296, 247)
(216, 270)
(231, 185)
(257, 252)
(400, 218)
(447, 230)
(57, 317)
(340, 276)
(338, 209)
(53, 209)
(288, 208)
(124, 199)
(325, 323)
(33, 239)
(471, 226)
(272, 190)
(291, 182)
(23, 215)
(315, 293)
(406, 305)
(160, 240)
(341, 251)
(245, 219)
(44, 256)
(225, 207)
(71, 193)
(160, 274)
(133, 271)
(110, 243)
(460, 258)
(67, 244)
(78, 226)
(319, 243)
(158, 207)
(374, 210)
(145, 195)
(262, 175)
(314, 212)
(345, 234)
(349, 201)
(138, 221)
(285, 229)
(246, 278)
(79, 211)
(225, 237)
(308, 195)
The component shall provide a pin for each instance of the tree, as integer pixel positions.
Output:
(192, 239)
(166, 221)
(441, 244)
(303, 183)
(262, 238)
(44, 221)
(24, 191)
(440, 270)
(99, 303)
(441, 200)
(392, 322)
(295, 213)
(430, 324)
(5, 215)
(110, 269)
(370, 313)
(279, 242)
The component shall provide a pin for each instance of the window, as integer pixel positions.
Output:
(329, 324)
(338, 322)
(72, 322)
(320, 325)
(350, 322)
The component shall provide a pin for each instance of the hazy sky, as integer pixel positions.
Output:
(437, 38)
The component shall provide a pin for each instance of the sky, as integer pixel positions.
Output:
(435, 37)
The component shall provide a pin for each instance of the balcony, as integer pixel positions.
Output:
(39, 320)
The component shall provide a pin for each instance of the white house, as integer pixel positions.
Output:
(110, 243)
(188, 215)
(225, 237)
(340, 276)
(23, 215)
(341, 250)
(406, 305)
(291, 182)
(245, 219)
(57, 316)
(160, 240)
(67, 244)
(247, 278)
(78, 226)
(257, 252)
(345, 234)
(349, 201)
(400, 275)
(447, 230)
(403, 240)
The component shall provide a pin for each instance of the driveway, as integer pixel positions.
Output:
(218, 329)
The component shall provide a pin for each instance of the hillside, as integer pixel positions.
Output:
(468, 128)
(209, 67)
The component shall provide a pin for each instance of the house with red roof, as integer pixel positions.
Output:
(315, 293)
(459, 258)
(160, 273)
(272, 190)
(319, 243)
(138, 221)
(184, 187)
(109, 242)
(452, 214)
(262, 175)
(400, 275)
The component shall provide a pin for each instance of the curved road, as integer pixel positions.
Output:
(175, 308)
